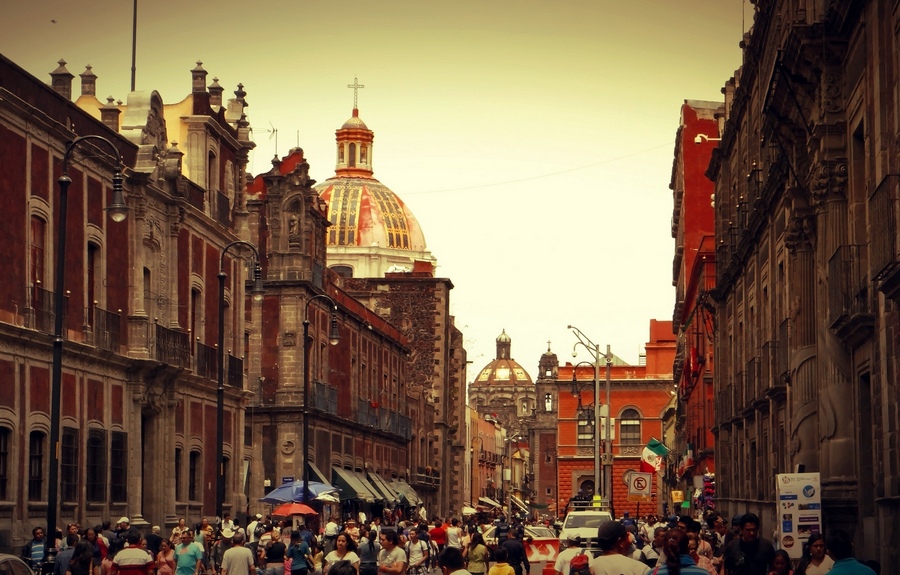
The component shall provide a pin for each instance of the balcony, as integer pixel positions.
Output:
(235, 375)
(171, 347)
(724, 406)
(738, 393)
(206, 361)
(884, 254)
(425, 477)
(223, 208)
(754, 396)
(849, 298)
(323, 398)
(366, 412)
(41, 316)
(103, 329)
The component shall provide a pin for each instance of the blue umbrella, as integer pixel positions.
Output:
(294, 492)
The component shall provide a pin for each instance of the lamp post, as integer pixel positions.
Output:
(607, 460)
(257, 292)
(117, 213)
(476, 456)
(334, 337)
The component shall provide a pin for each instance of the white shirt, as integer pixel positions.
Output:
(565, 557)
(251, 537)
(454, 537)
(617, 565)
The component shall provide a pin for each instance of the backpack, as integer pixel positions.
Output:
(580, 564)
(259, 531)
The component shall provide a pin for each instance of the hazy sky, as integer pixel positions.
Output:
(532, 140)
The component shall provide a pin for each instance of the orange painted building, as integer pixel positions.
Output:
(639, 396)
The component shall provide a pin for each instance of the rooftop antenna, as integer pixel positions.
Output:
(133, 45)
(274, 134)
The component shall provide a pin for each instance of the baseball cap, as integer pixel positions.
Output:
(259, 516)
(123, 520)
(609, 532)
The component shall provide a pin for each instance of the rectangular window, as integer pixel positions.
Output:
(193, 476)
(96, 466)
(36, 466)
(5, 435)
(118, 466)
(585, 432)
(38, 236)
(178, 478)
(69, 465)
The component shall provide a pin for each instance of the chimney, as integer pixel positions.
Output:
(61, 80)
(109, 114)
(88, 82)
(198, 74)
(215, 93)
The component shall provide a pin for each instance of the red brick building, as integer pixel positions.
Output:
(563, 455)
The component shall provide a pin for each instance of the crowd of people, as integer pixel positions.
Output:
(684, 546)
(677, 546)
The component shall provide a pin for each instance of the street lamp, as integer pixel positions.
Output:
(476, 457)
(257, 292)
(117, 212)
(607, 460)
(334, 336)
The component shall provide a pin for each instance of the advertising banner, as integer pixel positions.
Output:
(799, 510)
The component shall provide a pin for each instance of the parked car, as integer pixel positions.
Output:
(542, 549)
(583, 524)
(12, 565)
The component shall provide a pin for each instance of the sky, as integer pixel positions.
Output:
(533, 140)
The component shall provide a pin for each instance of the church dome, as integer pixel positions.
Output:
(503, 370)
(365, 212)
(354, 123)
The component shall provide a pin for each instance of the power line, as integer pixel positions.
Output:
(541, 176)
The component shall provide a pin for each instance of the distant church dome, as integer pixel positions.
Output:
(372, 231)
(503, 370)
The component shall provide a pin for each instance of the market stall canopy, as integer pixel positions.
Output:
(518, 503)
(294, 492)
(351, 487)
(407, 494)
(466, 510)
(288, 509)
(489, 502)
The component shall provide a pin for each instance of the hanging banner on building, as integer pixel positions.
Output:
(799, 510)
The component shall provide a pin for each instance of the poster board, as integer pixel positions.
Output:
(799, 510)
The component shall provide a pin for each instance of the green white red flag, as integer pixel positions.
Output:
(652, 456)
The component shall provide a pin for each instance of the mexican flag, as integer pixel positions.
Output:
(651, 457)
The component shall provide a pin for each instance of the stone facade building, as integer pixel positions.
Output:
(139, 363)
(808, 266)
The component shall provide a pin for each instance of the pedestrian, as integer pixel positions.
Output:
(451, 562)
(368, 550)
(814, 561)
(501, 565)
(318, 559)
(61, 563)
(416, 553)
(748, 554)
(34, 551)
(133, 559)
(274, 554)
(694, 551)
(238, 559)
(516, 554)
(82, 561)
(781, 564)
(220, 547)
(564, 558)
(297, 553)
(678, 558)
(175, 538)
(438, 534)
(344, 550)
(392, 558)
(454, 534)
(840, 546)
(165, 559)
(188, 555)
(612, 538)
(153, 540)
(477, 555)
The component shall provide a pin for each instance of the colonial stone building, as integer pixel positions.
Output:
(139, 366)
(808, 266)
(694, 277)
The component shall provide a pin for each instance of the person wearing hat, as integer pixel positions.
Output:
(613, 540)
(220, 547)
(251, 529)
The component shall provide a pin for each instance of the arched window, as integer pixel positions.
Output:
(343, 271)
(352, 162)
(96, 465)
(630, 427)
(36, 445)
(5, 439)
(69, 465)
(194, 476)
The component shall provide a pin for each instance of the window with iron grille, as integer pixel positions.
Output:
(118, 466)
(5, 435)
(96, 465)
(630, 427)
(68, 465)
(36, 465)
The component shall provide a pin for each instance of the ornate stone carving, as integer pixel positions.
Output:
(801, 232)
(828, 180)
(830, 99)
(289, 339)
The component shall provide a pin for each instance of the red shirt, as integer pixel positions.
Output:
(438, 535)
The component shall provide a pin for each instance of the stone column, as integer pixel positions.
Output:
(800, 241)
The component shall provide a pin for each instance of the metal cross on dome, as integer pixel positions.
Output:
(356, 86)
